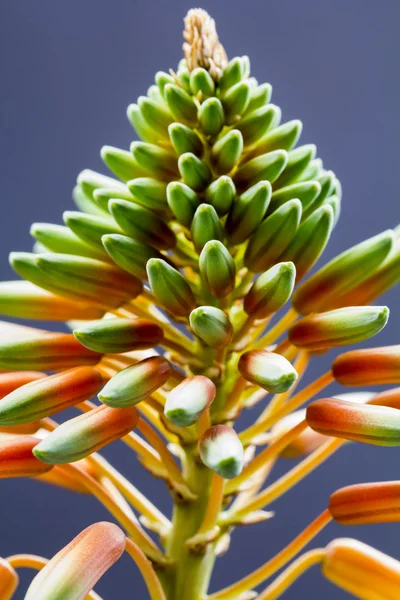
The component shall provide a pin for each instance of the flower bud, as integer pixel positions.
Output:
(270, 371)
(14, 379)
(211, 325)
(58, 238)
(305, 443)
(170, 288)
(211, 116)
(272, 237)
(188, 400)
(298, 160)
(142, 224)
(366, 503)
(149, 193)
(89, 228)
(156, 116)
(314, 170)
(236, 100)
(133, 384)
(89, 181)
(338, 327)
(119, 335)
(206, 226)
(260, 96)
(270, 291)
(180, 104)
(247, 212)
(343, 273)
(154, 160)
(232, 73)
(387, 398)
(217, 268)
(72, 572)
(79, 437)
(17, 459)
(283, 137)
(371, 366)
(138, 122)
(128, 254)
(201, 81)
(49, 395)
(306, 192)
(49, 352)
(227, 151)
(266, 167)
(194, 172)
(183, 202)
(368, 423)
(254, 125)
(221, 450)
(8, 580)
(121, 163)
(361, 570)
(184, 139)
(220, 194)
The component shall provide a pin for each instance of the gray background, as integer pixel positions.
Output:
(69, 69)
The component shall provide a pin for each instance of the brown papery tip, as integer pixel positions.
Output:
(202, 47)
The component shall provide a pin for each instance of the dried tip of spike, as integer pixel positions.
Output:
(202, 47)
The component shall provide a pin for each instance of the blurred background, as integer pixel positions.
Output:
(68, 70)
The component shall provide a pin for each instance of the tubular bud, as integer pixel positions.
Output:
(81, 436)
(222, 451)
(119, 335)
(58, 238)
(306, 192)
(211, 116)
(283, 137)
(270, 291)
(89, 181)
(156, 116)
(260, 96)
(368, 423)
(206, 226)
(180, 104)
(184, 139)
(211, 325)
(365, 503)
(170, 288)
(133, 384)
(270, 371)
(183, 202)
(14, 379)
(194, 172)
(49, 395)
(232, 73)
(201, 81)
(138, 122)
(129, 255)
(236, 99)
(254, 125)
(188, 400)
(149, 193)
(227, 151)
(154, 160)
(89, 228)
(370, 366)
(361, 570)
(220, 194)
(217, 268)
(121, 163)
(8, 580)
(71, 574)
(338, 327)
(17, 459)
(247, 212)
(266, 167)
(298, 160)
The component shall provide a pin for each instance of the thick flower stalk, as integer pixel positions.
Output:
(183, 279)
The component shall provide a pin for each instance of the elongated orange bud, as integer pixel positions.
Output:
(72, 573)
(368, 367)
(83, 435)
(388, 398)
(366, 423)
(362, 570)
(17, 458)
(8, 580)
(365, 503)
(15, 379)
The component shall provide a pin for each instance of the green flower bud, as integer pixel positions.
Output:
(121, 163)
(335, 203)
(326, 182)
(89, 181)
(211, 116)
(260, 96)
(155, 94)
(154, 160)
(112, 336)
(283, 137)
(270, 291)
(222, 451)
(236, 100)
(188, 400)
(162, 79)
(183, 202)
(102, 197)
(342, 274)
(194, 172)
(307, 192)
(149, 192)
(298, 161)
(180, 104)
(270, 371)
(142, 224)
(338, 327)
(272, 237)
(227, 151)
(211, 325)
(314, 170)
(310, 240)
(266, 167)
(217, 268)
(139, 124)
(220, 194)
(247, 212)
(57, 238)
(130, 255)
(131, 385)
(206, 226)
(184, 139)
(170, 288)
(156, 116)
(86, 204)
(201, 81)
(90, 228)
(233, 73)
(254, 125)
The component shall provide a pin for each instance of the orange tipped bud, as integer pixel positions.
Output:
(366, 423)
(17, 458)
(15, 379)
(388, 398)
(305, 443)
(8, 580)
(368, 367)
(366, 503)
(71, 574)
(362, 570)
(270, 371)
(119, 335)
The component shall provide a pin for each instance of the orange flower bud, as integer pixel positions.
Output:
(366, 503)
(8, 580)
(368, 367)
(18, 460)
(15, 379)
